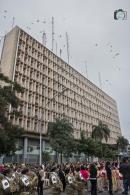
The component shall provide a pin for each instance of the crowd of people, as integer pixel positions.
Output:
(71, 178)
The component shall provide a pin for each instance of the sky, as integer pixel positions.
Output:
(98, 44)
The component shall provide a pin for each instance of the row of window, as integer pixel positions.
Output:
(61, 63)
(87, 115)
(62, 79)
(70, 98)
(36, 125)
(56, 85)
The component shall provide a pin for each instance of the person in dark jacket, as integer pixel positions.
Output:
(93, 179)
(61, 175)
(125, 171)
(109, 176)
(40, 175)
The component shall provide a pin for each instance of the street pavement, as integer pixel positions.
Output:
(48, 192)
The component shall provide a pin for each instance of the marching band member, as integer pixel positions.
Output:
(80, 181)
(71, 186)
(55, 182)
(8, 183)
(28, 182)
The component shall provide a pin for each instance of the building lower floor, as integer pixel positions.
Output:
(28, 151)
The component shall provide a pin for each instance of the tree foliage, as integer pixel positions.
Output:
(8, 131)
(46, 157)
(82, 145)
(100, 132)
(88, 146)
(94, 147)
(109, 153)
(122, 143)
(61, 136)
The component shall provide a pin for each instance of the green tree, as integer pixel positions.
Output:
(46, 157)
(8, 131)
(109, 153)
(100, 132)
(94, 147)
(88, 146)
(61, 136)
(122, 143)
(82, 145)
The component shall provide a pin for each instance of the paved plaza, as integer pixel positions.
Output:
(48, 192)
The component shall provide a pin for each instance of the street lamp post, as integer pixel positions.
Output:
(40, 139)
(40, 156)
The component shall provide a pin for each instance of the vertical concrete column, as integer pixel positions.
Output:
(25, 149)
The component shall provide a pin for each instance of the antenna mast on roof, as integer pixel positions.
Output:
(67, 43)
(100, 81)
(44, 38)
(56, 48)
(13, 21)
(60, 52)
(86, 69)
(53, 34)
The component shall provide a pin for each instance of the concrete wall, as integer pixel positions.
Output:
(9, 53)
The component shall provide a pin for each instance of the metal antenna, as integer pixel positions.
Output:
(53, 34)
(56, 48)
(60, 52)
(67, 43)
(86, 69)
(100, 81)
(44, 38)
(13, 21)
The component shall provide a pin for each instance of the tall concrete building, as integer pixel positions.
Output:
(52, 88)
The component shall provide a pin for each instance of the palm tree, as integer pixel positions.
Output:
(100, 132)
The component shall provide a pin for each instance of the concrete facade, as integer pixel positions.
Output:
(44, 77)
